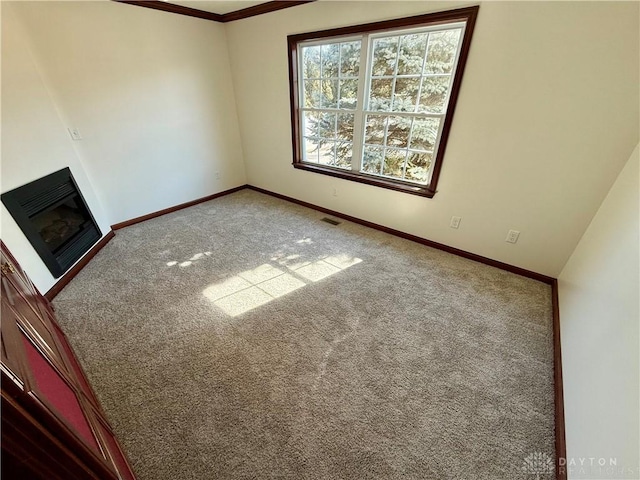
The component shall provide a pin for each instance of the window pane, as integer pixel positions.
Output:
(385, 53)
(345, 126)
(311, 62)
(442, 51)
(374, 131)
(350, 59)
(310, 150)
(348, 93)
(330, 58)
(330, 93)
(424, 133)
(327, 125)
(312, 94)
(398, 129)
(310, 123)
(406, 94)
(399, 118)
(434, 94)
(394, 162)
(327, 152)
(380, 95)
(411, 56)
(418, 165)
(344, 154)
(372, 159)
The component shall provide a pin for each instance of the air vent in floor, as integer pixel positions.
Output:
(331, 221)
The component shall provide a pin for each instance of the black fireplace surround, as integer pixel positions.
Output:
(54, 216)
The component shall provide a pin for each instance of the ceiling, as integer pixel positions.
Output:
(217, 6)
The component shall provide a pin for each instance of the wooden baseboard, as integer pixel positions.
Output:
(415, 238)
(558, 389)
(560, 444)
(560, 439)
(73, 271)
(149, 216)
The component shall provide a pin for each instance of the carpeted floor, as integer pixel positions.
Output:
(246, 338)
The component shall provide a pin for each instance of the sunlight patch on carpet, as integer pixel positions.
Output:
(252, 288)
(189, 262)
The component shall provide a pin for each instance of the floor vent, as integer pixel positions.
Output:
(331, 221)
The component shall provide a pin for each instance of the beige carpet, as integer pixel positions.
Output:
(246, 338)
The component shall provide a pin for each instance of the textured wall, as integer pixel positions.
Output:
(35, 142)
(151, 93)
(546, 118)
(600, 320)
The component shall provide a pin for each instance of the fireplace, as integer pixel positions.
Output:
(55, 218)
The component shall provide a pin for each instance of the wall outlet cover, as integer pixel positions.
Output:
(512, 236)
(74, 133)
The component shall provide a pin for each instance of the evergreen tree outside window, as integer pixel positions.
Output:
(374, 103)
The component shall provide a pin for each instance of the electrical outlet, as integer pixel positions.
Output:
(75, 134)
(512, 236)
(455, 222)
(334, 192)
(217, 175)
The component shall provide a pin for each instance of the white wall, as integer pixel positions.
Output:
(151, 94)
(546, 118)
(34, 143)
(599, 291)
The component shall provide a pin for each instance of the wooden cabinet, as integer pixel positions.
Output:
(52, 424)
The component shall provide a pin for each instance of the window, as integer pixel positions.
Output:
(374, 103)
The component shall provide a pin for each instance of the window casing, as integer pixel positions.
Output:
(374, 103)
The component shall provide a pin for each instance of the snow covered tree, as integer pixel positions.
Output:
(410, 74)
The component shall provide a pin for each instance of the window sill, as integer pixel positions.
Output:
(397, 185)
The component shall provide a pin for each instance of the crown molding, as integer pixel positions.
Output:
(216, 17)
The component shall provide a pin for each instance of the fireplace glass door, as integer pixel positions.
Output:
(54, 217)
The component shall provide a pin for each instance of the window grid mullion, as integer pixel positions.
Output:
(388, 114)
(301, 101)
(411, 75)
(404, 165)
(406, 114)
(351, 78)
(422, 76)
(434, 152)
(335, 122)
(384, 143)
(406, 157)
(452, 74)
(321, 82)
(414, 75)
(395, 74)
(329, 110)
(339, 68)
(359, 120)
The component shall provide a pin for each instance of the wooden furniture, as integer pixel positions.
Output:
(53, 426)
